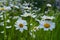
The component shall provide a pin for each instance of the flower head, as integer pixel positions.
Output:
(47, 17)
(5, 8)
(49, 5)
(21, 24)
(26, 6)
(28, 14)
(47, 25)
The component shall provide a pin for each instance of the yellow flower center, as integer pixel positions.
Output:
(21, 25)
(46, 25)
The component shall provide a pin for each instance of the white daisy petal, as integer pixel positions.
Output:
(46, 29)
(47, 17)
(49, 5)
(8, 27)
(25, 27)
(51, 28)
(41, 26)
(17, 28)
(24, 22)
(2, 31)
(21, 29)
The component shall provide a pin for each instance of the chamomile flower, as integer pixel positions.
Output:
(25, 3)
(21, 25)
(47, 17)
(28, 14)
(15, 6)
(49, 5)
(47, 25)
(15, 17)
(26, 6)
(29, 8)
(5, 8)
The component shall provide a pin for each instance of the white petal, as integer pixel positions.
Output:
(46, 29)
(8, 27)
(41, 26)
(21, 29)
(49, 5)
(51, 29)
(2, 31)
(33, 16)
(52, 26)
(42, 22)
(24, 22)
(17, 28)
(25, 27)
(8, 21)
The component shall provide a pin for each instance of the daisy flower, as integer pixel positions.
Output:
(49, 5)
(11, 5)
(26, 6)
(21, 24)
(47, 17)
(25, 3)
(28, 14)
(15, 17)
(5, 8)
(47, 25)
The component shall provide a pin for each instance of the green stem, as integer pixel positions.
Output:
(4, 17)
